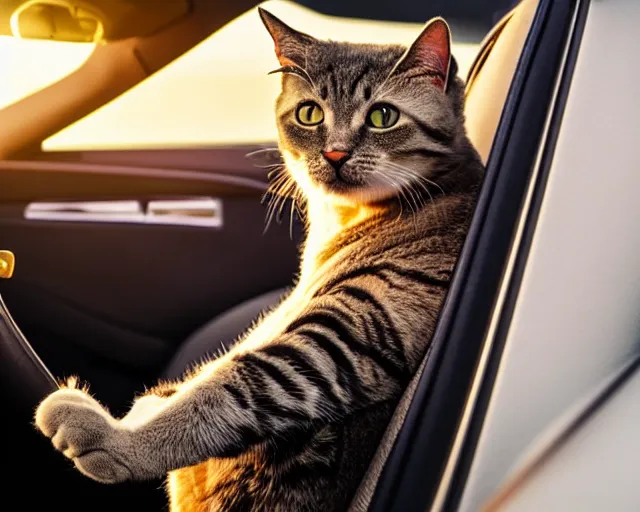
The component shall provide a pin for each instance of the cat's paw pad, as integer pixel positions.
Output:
(104, 466)
(83, 431)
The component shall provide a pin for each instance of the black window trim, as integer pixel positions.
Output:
(412, 473)
(480, 407)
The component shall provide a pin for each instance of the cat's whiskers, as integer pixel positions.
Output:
(413, 178)
(277, 193)
(400, 194)
(280, 168)
(417, 200)
(408, 181)
(417, 177)
(261, 151)
(412, 185)
(268, 166)
(285, 194)
(416, 180)
(423, 180)
(401, 189)
(276, 184)
(292, 210)
(282, 188)
(269, 153)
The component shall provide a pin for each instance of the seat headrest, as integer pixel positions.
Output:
(491, 74)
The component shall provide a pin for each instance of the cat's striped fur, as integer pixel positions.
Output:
(347, 346)
(289, 418)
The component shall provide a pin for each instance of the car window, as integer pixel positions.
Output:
(28, 65)
(219, 92)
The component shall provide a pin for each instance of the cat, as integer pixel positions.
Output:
(373, 140)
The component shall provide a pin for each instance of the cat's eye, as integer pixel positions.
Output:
(309, 114)
(382, 116)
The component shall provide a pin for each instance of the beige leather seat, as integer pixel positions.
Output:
(492, 72)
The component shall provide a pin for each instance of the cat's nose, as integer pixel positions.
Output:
(336, 158)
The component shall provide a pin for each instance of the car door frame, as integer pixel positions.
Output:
(430, 460)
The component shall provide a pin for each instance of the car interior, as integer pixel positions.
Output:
(122, 302)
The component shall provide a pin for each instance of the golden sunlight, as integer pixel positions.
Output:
(28, 65)
(219, 92)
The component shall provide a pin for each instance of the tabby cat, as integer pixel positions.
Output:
(373, 140)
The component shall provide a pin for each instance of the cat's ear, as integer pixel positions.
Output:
(430, 52)
(290, 45)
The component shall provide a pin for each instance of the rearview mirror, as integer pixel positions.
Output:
(57, 20)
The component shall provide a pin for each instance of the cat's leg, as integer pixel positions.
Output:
(142, 409)
(324, 364)
(149, 404)
(232, 404)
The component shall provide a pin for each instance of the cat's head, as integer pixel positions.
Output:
(358, 122)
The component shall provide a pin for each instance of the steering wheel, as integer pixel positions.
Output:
(24, 373)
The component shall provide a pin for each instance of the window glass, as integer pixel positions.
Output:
(28, 65)
(219, 93)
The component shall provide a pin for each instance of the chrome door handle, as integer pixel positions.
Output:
(86, 211)
(204, 212)
(197, 211)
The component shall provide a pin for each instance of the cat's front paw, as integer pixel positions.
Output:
(85, 432)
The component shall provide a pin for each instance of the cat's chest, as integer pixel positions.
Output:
(309, 286)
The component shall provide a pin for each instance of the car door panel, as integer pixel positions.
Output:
(116, 299)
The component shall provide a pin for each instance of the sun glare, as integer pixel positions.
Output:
(28, 65)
